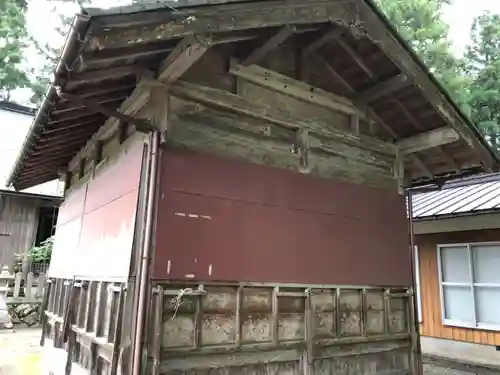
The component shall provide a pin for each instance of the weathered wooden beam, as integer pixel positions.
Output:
(130, 106)
(270, 44)
(383, 88)
(395, 48)
(235, 104)
(62, 109)
(336, 76)
(185, 54)
(72, 127)
(354, 55)
(294, 88)
(37, 178)
(327, 36)
(95, 76)
(223, 18)
(188, 51)
(424, 141)
(418, 162)
(44, 138)
(139, 123)
(422, 166)
(72, 116)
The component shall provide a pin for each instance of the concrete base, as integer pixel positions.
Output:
(484, 355)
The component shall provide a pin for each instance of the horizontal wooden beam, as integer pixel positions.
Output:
(72, 127)
(96, 76)
(66, 108)
(294, 88)
(222, 18)
(236, 104)
(270, 44)
(424, 141)
(383, 88)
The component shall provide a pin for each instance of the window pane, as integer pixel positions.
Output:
(488, 305)
(455, 264)
(458, 303)
(486, 261)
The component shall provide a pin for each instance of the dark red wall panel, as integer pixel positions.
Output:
(227, 220)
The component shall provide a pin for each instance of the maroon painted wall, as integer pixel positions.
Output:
(227, 220)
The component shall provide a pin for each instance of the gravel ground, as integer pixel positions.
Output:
(20, 355)
(20, 352)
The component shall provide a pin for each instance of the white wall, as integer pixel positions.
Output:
(14, 128)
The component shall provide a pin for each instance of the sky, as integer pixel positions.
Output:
(460, 15)
(41, 20)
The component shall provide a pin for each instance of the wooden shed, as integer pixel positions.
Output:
(227, 165)
(26, 219)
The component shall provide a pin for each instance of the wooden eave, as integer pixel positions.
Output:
(357, 56)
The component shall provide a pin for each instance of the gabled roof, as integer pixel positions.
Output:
(107, 52)
(476, 195)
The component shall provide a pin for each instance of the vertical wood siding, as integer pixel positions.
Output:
(18, 226)
(432, 324)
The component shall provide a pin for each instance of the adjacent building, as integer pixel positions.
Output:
(457, 237)
(27, 217)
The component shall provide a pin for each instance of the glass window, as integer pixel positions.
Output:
(470, 285)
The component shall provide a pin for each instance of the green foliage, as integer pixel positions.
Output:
(13, 38)
(42, 254)
(483, 57)
(421, 24)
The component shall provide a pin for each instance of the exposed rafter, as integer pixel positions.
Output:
(140, 124)
(383, 88)
(272, 43)
(328, 36)
(98, 75)
(186, 53)
(431, 139)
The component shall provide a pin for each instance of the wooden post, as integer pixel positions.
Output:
(43, 312)
(158, 327)
(117, 335)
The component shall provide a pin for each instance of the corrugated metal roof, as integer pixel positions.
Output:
(459, 198)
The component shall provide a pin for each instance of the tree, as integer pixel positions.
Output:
(421, 24)
(483, 66)
(13, 40)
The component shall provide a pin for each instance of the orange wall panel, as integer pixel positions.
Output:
(432, 324)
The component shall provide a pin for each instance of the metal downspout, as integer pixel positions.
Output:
(418, 347)
(146, 253)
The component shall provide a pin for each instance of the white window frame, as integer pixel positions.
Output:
(472, 285)
(417, 285)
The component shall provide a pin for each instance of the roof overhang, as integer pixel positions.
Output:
(54, 200)
(108, 52)
(459, 223)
